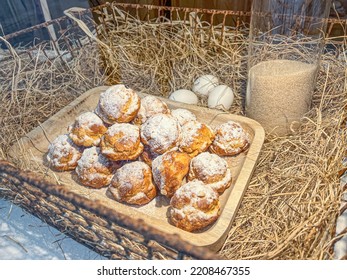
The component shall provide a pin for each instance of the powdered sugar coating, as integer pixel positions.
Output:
(156, 163)
(234, 133)
(208, 165)
(191, 213)
(194, 206)
(196, 138)
(231, 139)
(183, 116)
(131, 174)
(87, 129)
(130, 132)
(132, 183)
(63, 154)
(212, 170)
(195, 191)
(88, 119)
(118, 104)
(223, 184)
(189, 131)
(150, 106)
(92, 157)
(169, 170)
(93, 169)
(148, 155)
(121, 142)
(161, 132)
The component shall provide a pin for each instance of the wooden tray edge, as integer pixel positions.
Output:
(239, 189)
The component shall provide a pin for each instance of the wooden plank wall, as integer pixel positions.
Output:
(235, 5)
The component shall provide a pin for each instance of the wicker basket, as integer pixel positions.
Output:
(104, 230)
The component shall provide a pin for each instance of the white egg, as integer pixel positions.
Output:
(204, 84)
(221, 97)
(184, 96)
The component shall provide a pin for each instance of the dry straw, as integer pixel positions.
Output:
(290, 208)
(33, 88)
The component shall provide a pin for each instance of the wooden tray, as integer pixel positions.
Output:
(31, 151)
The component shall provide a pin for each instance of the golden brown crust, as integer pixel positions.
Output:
(183, 116)
(148, 155)
(161, 133)
(212, 170)
(194, 206)
(231, 139)
(169, 171)
(87, 130)
(121, 142)
(196, 138)
(133, 184)
(150, 106)
(63, 154)
(93, 169)
(118, 104)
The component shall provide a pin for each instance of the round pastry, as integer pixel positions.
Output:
(183, 116)
(231, 139)
(212, 170)
(196, 138)
(133, 184)
(161, 133)
(118, 104)
(194, 206)
(169, 170)
(150, 106)
(87, 130)
(121, 142)
(148, 155)
(93, 169)
(63, 154)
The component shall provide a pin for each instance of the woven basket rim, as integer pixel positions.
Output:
(138, 225)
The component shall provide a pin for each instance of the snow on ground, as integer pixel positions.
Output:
(25, 237)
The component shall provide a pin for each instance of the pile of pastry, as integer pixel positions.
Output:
(139, 149)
